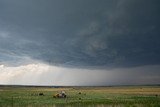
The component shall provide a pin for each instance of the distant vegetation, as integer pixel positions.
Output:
(131, 96)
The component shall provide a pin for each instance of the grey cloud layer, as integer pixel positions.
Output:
(111, 33)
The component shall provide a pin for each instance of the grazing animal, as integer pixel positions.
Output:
(64, 95)
(56, 96)
(41, 94)
(60, 95)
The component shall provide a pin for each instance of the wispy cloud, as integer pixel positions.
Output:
(4, 35)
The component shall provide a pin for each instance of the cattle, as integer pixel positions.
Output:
(41, 94)
(60, 95)
(56, 96)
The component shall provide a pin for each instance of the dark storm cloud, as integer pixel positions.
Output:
(112, 33)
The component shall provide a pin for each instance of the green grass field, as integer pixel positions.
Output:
(129, 96)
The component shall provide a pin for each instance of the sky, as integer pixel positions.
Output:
(79, 42)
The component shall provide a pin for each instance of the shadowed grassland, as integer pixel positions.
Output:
(131, 96)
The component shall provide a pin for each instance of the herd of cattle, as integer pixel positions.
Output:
(62, 94)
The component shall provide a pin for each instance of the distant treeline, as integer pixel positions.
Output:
(41, 86)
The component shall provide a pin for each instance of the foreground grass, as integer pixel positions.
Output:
(125, 96)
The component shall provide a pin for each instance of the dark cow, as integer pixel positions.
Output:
(41, 94)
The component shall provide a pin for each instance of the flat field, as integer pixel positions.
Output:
(120, 96)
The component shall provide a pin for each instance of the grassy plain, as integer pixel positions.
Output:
(122, 96)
